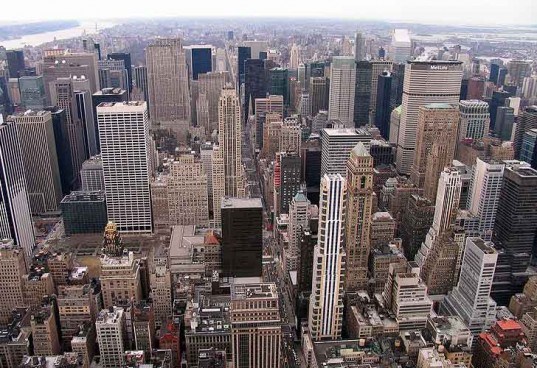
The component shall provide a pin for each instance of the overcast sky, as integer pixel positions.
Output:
(485, 12)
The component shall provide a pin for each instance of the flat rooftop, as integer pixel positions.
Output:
(253, 291)
(228, 202)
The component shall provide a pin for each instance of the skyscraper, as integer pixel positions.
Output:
(278, 83)
(243, 53)
(435, 145)
(518, 70)
(401, 47)
(359, 47)
(484, 194)
(358, 217)
(15, 63)
(140, 81)
(318, 91)
(527, 122)
(425, 82)
(497, 100)
(167, 79)
(336, 147)
(126, 171)
(342, 90)
(362, 94)
(15, 220)
(286, 180)
(475, 119)
(229, 138)
(32, 92)
(211, 85)
(384, 105)
(12, 269)
(255, 84)
(505, 120)
(378, 67)
(126, 58)
(299, 216)
(325, 317)
(200, 60)
(470, 299)
(110, 326)
(294, 59)
(242, 238)
(40, 160)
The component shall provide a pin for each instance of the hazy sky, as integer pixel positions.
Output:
(487, 12)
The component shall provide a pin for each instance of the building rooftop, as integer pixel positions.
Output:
(228, 202)
(84, 196)
(253, 291)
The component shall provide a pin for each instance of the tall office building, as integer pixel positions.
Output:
(435, 145)
(15, 63)
(113, 74)
(378, 67)
(526, 122)
(359, 47)
(256, 331)
(278, 83)
(243, 53)
(470, 299)
(167, 80)
(325, 317)
(336, 147)
(299, 217)
(85, 113)
(318, 90)
(36, 137)
(15, 220)
(126, 58)
(425, 82)
(342, 90)
(32, 92)
(518, 70)
(362, 93)
(529, 87)
(63, 95)
(110, 327)
(12, 269)
(140, 81)
(124, 137)
(45, 330)
(211, 85)
(476, 88)
(384, 105)
(401, 46)
(286, 180)
(498, 100)
(242, 238)
(91, 174)
(229, 138)
(199, 58)
(294, 59)
(263, 106)
(528, 151)
(255, 85)
(505, 121)
(484, 195)
(475, 119)
(290, 135)
(358, 217)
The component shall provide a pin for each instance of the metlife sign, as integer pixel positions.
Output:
(438, 67)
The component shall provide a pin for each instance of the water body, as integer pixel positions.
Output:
(85, 27)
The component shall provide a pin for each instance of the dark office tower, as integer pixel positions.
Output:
(290, 180)
(317, 69)
(126, 57)
(200, 60)
(502, 74)
(140, 81)
(515, 228)
(242, 237)
(382, 53)
(498, 99)
(528, 152)
(494, 73)
(255, 84)
(243, 53)
(311, 169)
(464, 89)
(5, 103)
(229, 35)
(518, 70)
(417, 219)
(505, 119)
(526, 122)
(84, 111)
(15, 219)
(318, 94)
(398, 76)
(362, 94)
(106, 95)
(63, 148)
(384, 108)
(476, 88)
(278, 83)
(32, 92)
(15, 63)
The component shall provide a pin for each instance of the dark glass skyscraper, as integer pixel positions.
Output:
(384, 106)
(278, 83)
(15, 63)
(362, 94)
(498, 99)
(494, 73)
(201, 61)
(242, 237)
(126, 57)
(243, 53)
(255, 84)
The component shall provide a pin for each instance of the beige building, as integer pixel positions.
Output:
(160, 281)
(256, 326)
(38, 147)
(167, 80)
(36, 285)
(45, 333)
(290, 135)
(12, 269)
(76, 306)
(382, 229)
(358, 218)
(144, 327)
(159, 203)
(110, 327)
(15, 336)
(436, 138)
(210, 85)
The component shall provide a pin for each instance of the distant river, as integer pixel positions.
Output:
(40, 38)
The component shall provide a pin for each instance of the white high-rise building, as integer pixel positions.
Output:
(299, 217)
(325, 317)
(337, 145)
(470, 299)
(425, 82)
(15, 219)
(124, 137)
(110, 327)
(475, 119)
(167, 80)
(294, 60)
(484, 195)
(230, 141)
(401, 47)
(342, 88)
(359, 47)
